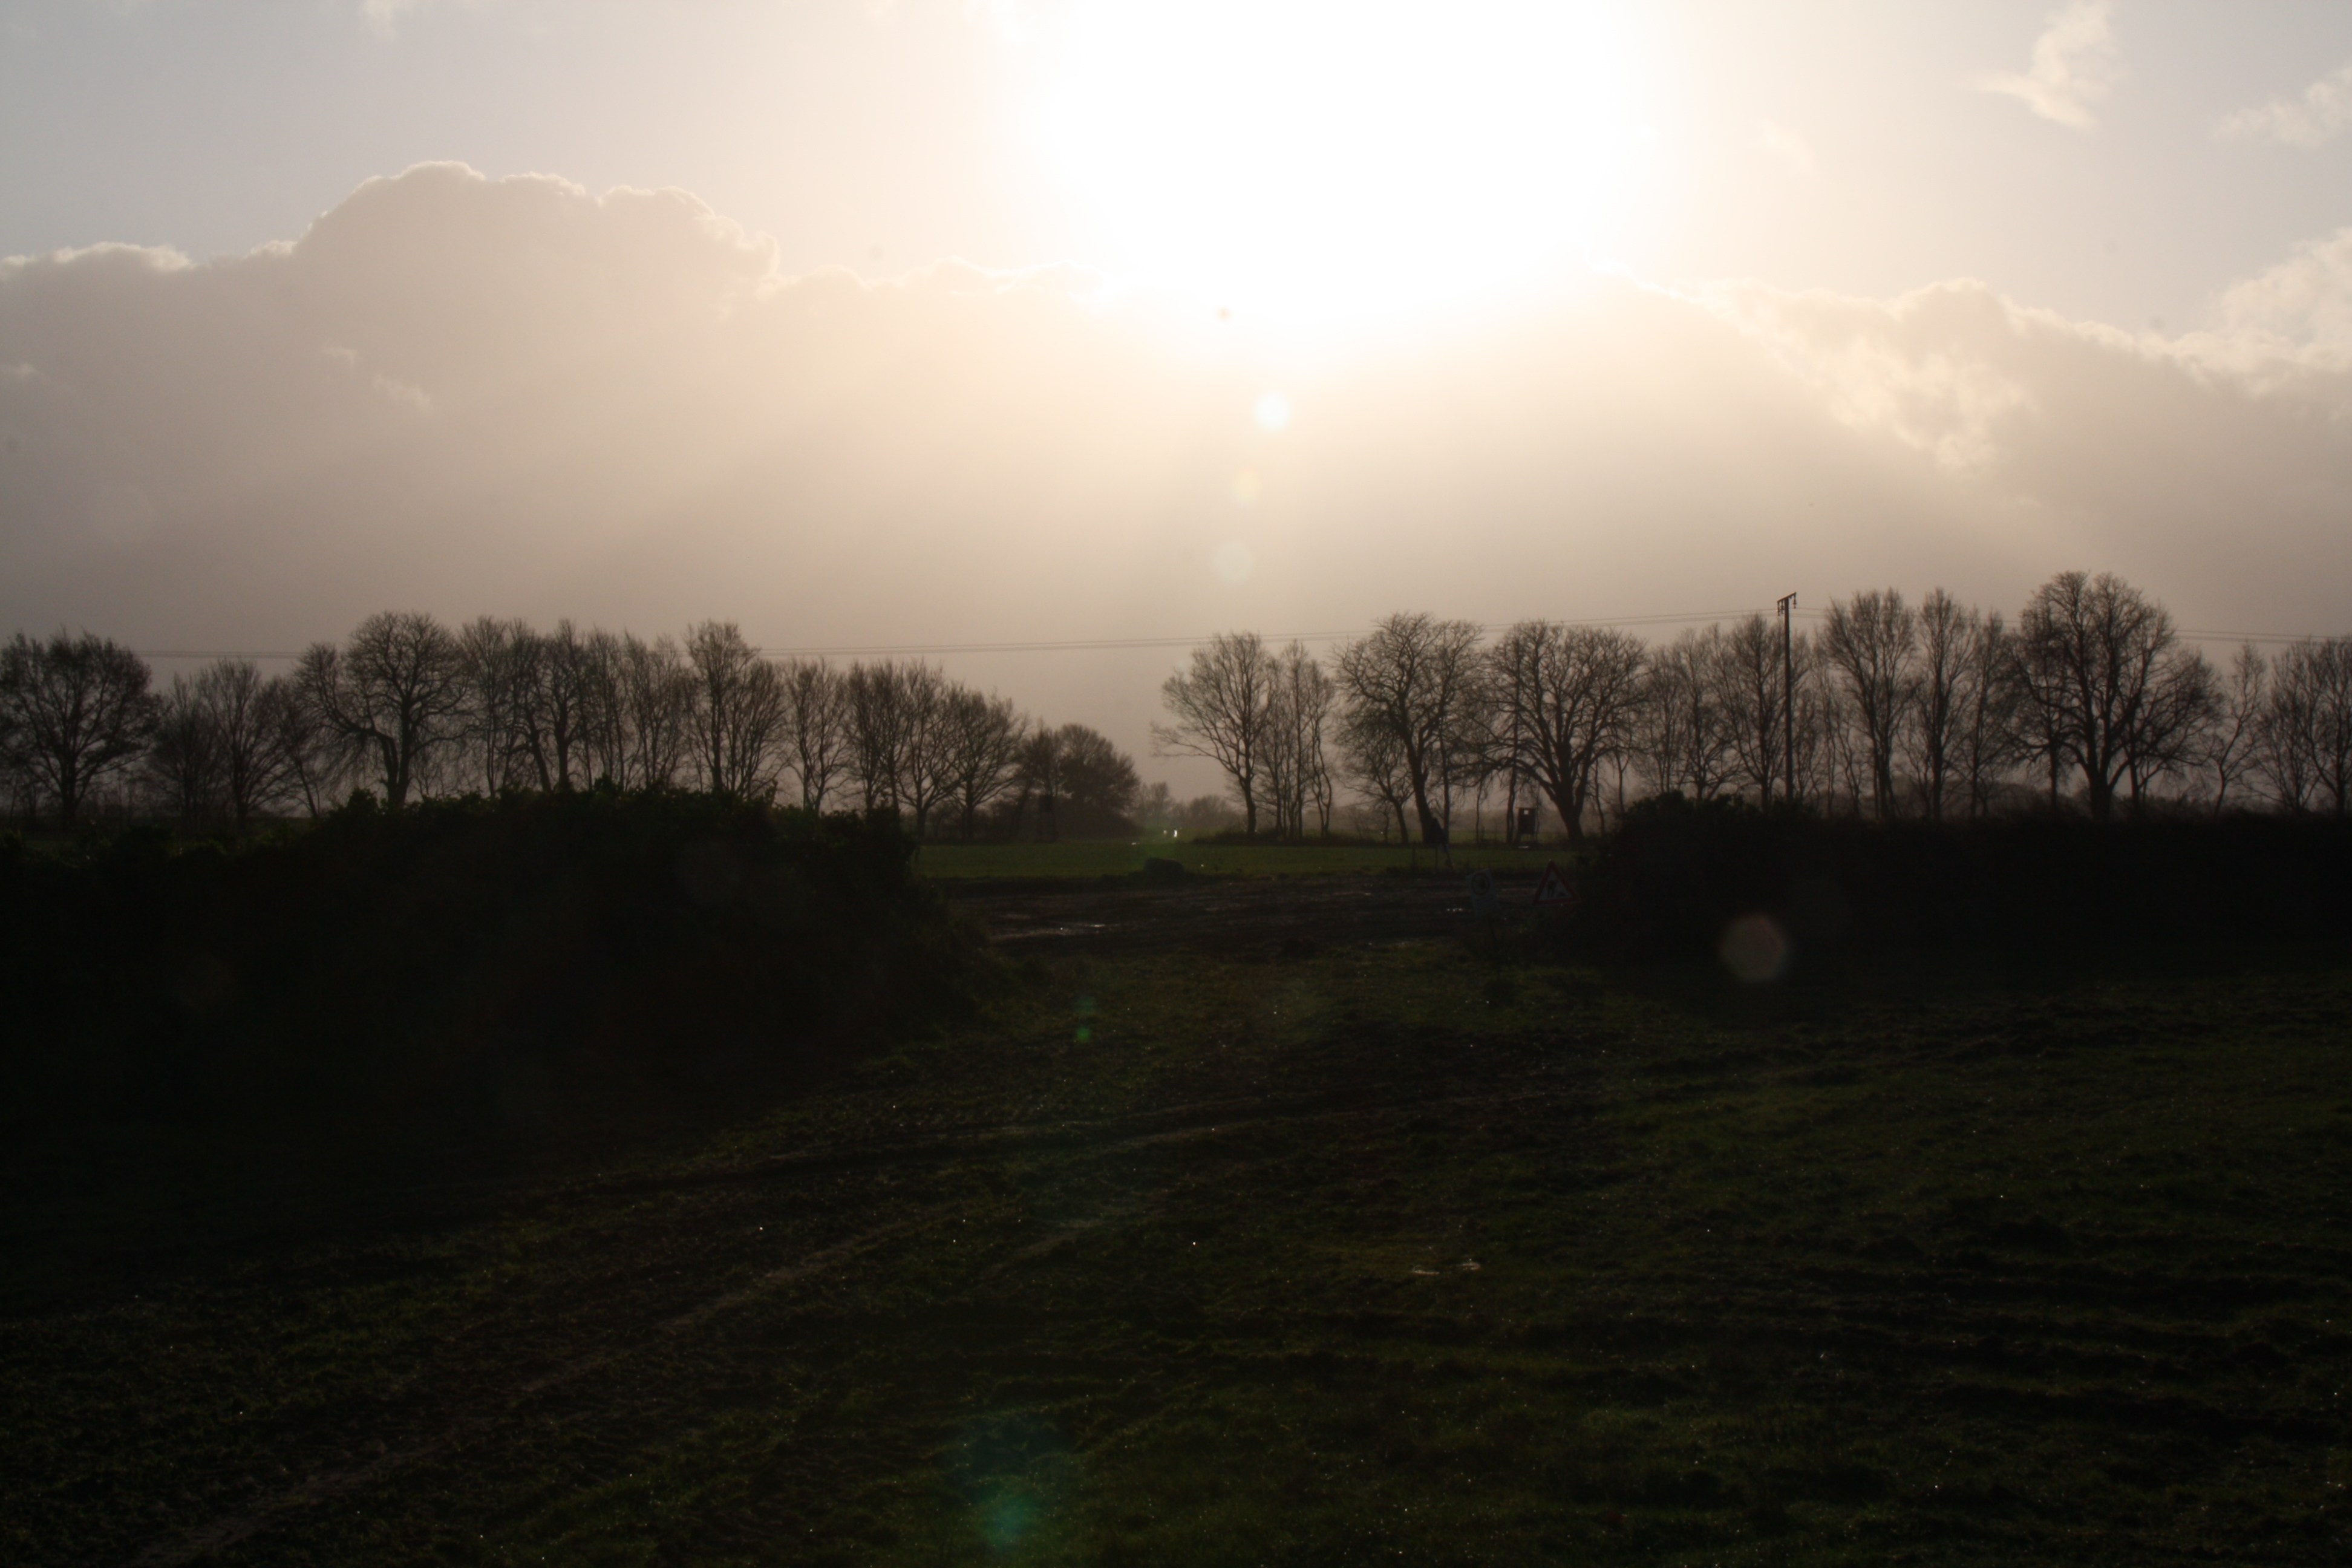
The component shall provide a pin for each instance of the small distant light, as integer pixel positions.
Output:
(1273, 411)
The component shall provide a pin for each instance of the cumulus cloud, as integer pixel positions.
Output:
(517, 398)
(2318, 116)
(2076, 65)
(2294, 316)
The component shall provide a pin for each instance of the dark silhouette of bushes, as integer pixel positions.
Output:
(1671, 882)
(466, 965)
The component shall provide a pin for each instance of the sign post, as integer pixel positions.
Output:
(1487, 902)
(1554, 892)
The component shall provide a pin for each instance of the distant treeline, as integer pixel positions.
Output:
(407, 709)
(2090, 701)
(1940, 712)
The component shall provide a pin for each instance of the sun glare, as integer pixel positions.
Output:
(1308, 158)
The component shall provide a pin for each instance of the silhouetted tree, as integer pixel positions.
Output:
(1567, 699)
(652, 697)
(1375, 761)
(395, 693)
(2230, 744)
(553, 707)
(738, 713)
(183, 754)
(2107, 682)
(980, 753)
(1298, 768)
(1092, 783)
(1683, 728)
(816, 734)
(2310, 724)
(502, 671)
(1753, 693)
(897, 741)
(1418, 684)
(1870, 642)
(1223, 703)
(74, 711)
(1986, 741)
(1948, 634)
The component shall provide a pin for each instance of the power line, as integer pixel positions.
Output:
(1112, 644)
(1044, 645)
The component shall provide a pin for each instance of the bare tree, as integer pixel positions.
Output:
(2230, 744)
(1946, 700)
(395, 693)
(738, 715)
(183, 754)
(980, 753)
(1376, 762)
(1417, 683)
(502, 673)
(1683, 728)
(816, 737)
(877, 725)
(2109, 685)
(1567, 699)
(1753, 689)
(1986, 740)
(898, 740)
(74, 712)
(1871, 642)
(1223, 704)
(259, 729)
(925, 776)
(554, 703)
(2310, 724)
(2181, 713)
(654, 703)
(1298, 768)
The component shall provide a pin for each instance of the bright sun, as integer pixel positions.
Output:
(1315, 158)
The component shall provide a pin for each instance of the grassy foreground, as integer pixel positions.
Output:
(1371, 1254)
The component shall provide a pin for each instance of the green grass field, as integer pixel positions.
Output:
(1379, 1254)
(960, 862)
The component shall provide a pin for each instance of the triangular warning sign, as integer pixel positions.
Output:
(1553, 891)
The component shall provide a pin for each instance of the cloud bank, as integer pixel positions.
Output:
(2313, 120)
(516, 397)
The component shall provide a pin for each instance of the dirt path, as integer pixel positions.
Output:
(1232, 917)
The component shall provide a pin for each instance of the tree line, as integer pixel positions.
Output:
(1935, 710)
(406, 707)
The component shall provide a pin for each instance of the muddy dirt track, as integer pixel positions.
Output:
(1126, 915)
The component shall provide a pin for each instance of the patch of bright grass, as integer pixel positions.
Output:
(957, 862)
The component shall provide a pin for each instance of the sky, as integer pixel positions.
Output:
(926, 323)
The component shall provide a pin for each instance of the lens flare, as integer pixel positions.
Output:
(1754, 949)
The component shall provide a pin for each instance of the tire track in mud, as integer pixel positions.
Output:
(1199, 1121)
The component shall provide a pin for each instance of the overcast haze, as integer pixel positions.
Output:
(942, 324)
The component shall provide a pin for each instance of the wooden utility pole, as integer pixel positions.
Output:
(1789, 699)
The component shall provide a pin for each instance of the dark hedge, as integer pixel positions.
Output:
(1668, 885)
(475, 959)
